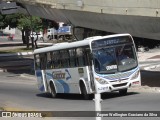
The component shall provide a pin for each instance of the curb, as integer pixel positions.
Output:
(28, 76)
(22, 75)
(3, 70)
(47, 44)
(148, 60)
(151, 67)
(16, 54)
(145, 89)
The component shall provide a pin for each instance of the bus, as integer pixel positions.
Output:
(94, 65)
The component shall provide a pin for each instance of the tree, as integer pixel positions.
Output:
(24, 22)
(12, 20)
(2, 22)
(27, 24)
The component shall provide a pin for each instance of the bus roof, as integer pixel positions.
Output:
(60, 46)
(67, 45)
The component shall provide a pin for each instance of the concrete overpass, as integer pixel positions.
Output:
(141, 18)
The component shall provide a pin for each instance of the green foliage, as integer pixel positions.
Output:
(24, 22)
(12, 20)
(36, 24)
(21, 21)
(1, 17)
(3, 24)
(30, 23)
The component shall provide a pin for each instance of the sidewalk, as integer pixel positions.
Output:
(152, 55)
(149, 60)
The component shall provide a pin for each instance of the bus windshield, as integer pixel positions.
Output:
(115, 58)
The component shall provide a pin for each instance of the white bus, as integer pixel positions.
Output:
(93, 65)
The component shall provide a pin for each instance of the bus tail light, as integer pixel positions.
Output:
(137, 82)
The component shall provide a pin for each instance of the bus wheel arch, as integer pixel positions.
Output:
(52, 89)
(83, 90)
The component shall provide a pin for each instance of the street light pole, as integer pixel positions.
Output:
(97, 100)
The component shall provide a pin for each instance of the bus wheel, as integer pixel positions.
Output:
(84, 91)
(53, 90)
(123, 92)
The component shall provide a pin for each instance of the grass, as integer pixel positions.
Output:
(16, 50)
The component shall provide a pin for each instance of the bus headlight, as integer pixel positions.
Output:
(135, 75)
(101, 81)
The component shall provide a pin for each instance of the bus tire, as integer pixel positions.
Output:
(84, 91)
(123, 91)
(53, 90)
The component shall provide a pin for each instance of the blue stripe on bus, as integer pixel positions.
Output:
(39, 78)
(41, 88)
(38, 73)
(62, 82)
(65, 86)
(69, 75)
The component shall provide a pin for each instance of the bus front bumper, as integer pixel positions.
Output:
(118, 85)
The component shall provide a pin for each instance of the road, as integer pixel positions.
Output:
(21, 93)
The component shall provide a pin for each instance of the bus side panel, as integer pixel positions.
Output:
(58, 86)
(61, 79)
(40, 80)
(67, 80)
(77, 74)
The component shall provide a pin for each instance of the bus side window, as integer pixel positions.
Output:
(87, 57)
(49, 62)
(57, 59)
(64, 58)
(72, 57)
(52, 60)
(80, 57)
(43, 61)
(37, 62)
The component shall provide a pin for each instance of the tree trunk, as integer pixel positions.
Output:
(27, 37)
(23, 37)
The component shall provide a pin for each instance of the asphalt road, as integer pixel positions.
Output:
(21, 93)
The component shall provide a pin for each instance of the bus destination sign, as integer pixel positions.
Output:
(111, 41)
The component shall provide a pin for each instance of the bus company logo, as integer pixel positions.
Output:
(58, 75)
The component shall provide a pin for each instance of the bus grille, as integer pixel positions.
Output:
(120, 85)
(119, 80)
(119, 76)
